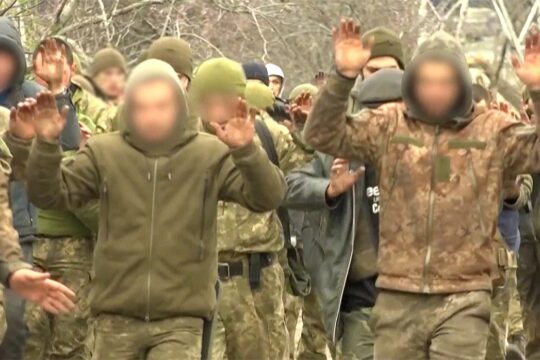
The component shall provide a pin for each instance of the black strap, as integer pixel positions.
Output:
(268, 145)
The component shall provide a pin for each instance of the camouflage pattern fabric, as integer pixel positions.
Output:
(358, 341)
(435, 327)
(3, 324)
(293, 308)
(69, 260)
(252, 323)
(124, 338)
(313, 341)
(103, 115)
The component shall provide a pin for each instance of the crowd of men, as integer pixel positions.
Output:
(174, 211)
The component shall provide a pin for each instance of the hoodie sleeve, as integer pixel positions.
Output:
(307, 187)
(53, 184)
(330, 130)
(248, 178)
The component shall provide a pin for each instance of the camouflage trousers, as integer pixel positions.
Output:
(436, 327)
(3, 325)
(313, 340)
(357, 340)
(123, 338)
(529, 290)
(506, 320)
(293, 309)
(251, 323)
(69, 261)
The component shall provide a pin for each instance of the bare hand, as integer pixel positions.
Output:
(300, 109)
(40, 289)
(48, 121)
(529, 71)
(320, 79)
(21, 120)
(350, 54)
(342, 178)
(238, 131)
(50, 68)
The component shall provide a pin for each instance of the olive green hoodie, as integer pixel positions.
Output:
(156, 254)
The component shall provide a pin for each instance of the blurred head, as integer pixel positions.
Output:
(8, 68)
(216, 87)
(437, 87)
(276, 78)
(379, 63)
(386, 52)
(108, 71)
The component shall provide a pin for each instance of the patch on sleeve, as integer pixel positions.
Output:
(442, 168)
(467, 144)
(407, 140)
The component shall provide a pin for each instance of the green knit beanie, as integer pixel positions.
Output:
(259, 96)
(386, 43)
(105, 59)
(218, 76)
(303, 88)
(174, 51)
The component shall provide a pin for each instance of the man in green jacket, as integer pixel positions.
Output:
(441, 166)
(158, 183)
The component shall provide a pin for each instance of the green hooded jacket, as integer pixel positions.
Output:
(156, 253)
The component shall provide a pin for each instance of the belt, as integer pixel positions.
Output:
(257, 262)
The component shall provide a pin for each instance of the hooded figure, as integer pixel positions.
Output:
(160, 266)
(256, 71)
(440, 180)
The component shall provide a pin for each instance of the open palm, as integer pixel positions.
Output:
(350, 54)
(238, 131)
(529, 71)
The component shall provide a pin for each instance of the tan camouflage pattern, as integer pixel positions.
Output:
(251, 324)
(435, 326)
(241, 230)
(102, 114)
(69, 260)
(358, 341)
(441, 188)
(313, 340)
(293, 308)
(122, 338)
(3, 324)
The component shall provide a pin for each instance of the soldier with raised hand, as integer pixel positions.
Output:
(440, 166)
(155, 259)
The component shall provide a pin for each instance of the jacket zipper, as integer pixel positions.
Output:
(205, 194)
(353, 234)
(151, 242)
(431, 205)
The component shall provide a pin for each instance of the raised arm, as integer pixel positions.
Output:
(329, 129)
(247, 176)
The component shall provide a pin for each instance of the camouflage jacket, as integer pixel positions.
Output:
(103, 115)
(244, 231)
(10, 250)
(441, 188)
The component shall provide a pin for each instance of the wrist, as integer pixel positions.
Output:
(331, 192)
(240, 146)
(348, 74)
(57, 89)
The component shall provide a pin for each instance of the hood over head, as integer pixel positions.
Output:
(380, 88)
(10, 40)
(186, 126)
(256, 71)
(440, 46)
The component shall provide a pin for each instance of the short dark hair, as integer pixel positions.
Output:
(69, 51)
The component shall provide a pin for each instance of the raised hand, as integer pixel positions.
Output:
(529, 71)
(300, 109)
(238, 131)
(350, 54)
(342, 178)
(320, 79)
(50, 67)
(21, 120)
(48, 121)
(39, 288)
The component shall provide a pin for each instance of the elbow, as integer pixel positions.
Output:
(271, 200)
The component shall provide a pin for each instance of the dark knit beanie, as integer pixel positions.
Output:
(386, 43)
(105, 59)
(256, 71)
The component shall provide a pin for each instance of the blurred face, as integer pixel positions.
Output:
(378, 63)
(69, 71)
(154, 109)
(111, 82)
(8, 67)
(437, 88)
(218, 108)
(276, 83)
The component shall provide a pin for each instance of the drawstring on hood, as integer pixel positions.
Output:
(440, 46)
(186, 126)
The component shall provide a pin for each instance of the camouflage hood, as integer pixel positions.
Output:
(186, 126)
(440, 46)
